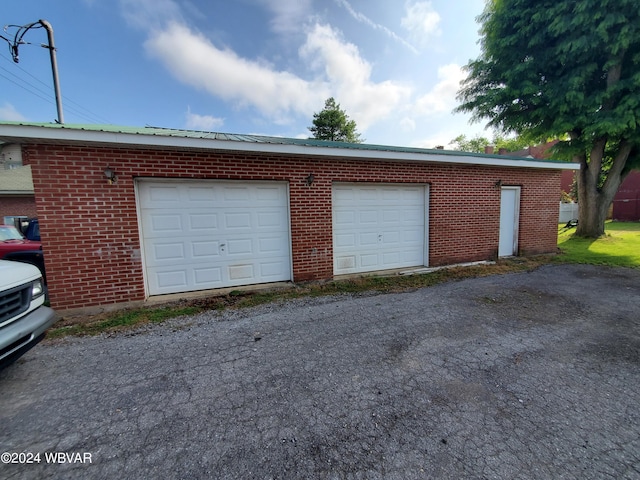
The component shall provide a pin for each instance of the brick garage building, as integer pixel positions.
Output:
(193, 211)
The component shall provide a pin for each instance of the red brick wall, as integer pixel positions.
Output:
(12, 206)
(90, 230)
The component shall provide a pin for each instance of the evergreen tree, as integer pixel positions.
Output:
(332, 123)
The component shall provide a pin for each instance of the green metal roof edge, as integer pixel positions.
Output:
(249, 138)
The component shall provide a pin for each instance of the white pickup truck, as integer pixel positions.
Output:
(23, 317)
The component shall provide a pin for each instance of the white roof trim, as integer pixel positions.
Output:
(31, 132)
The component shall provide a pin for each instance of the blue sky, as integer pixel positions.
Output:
(246, 66)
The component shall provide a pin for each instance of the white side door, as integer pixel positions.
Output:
(509, 220)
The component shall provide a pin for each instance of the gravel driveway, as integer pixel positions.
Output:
(533, 375)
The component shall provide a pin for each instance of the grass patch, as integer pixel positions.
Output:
(619, 247)
(123, 320)
(129, 319)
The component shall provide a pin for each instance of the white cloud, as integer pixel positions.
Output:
(360, 17)
(339, 71)
(334, 68)
(150, 14)
(421, 20)
(438, 139)
(10, 114)
(288, 15)
(194, 60)
(408, 124)
(442, 98)
(349, 76)
(202, 122)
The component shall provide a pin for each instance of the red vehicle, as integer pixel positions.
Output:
(14, 246)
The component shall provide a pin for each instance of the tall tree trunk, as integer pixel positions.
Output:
(593, 208)
(594, 202)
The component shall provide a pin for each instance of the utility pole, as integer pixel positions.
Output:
(54, 68)
(17, 40)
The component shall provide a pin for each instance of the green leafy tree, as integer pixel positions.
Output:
(564, 69)
(464, 144)
(477, 143)
(332, 123)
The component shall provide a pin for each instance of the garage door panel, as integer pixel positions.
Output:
(271, 246)
(343, 195)
(269, 219)
(345, 240)
(344, 217)
(411, 257)
(205, 249)
(235, 194)
(163, 194)
(369, 259)
(368, 217)
(365, 194)
(269, 195)
(391, 217)
(391, 239)
(209, 234)
(345, 262)
(168, 251)
(413, 236)
(367, 239)
(207, 276)
(403, 215)
(389, 230)
(241, 272)
(202, 195)
(163, 223)
(392, 196)
(391, 258)
(271, 270)
(237, 220)
(240, 246)
(203, 221)
(171, 278)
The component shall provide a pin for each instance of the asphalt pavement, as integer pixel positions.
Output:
(518, 376)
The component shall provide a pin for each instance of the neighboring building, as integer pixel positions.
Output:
(536, 151)
(129, 213)
(16, 193)
(626, 203)
(566, 181)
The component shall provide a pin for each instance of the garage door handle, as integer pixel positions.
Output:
(222, 246)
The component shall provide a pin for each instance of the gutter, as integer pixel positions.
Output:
(16, 133)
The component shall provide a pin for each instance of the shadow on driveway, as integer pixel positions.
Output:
(533, 375)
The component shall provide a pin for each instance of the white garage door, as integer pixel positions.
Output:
(378, 227)
(199, 235)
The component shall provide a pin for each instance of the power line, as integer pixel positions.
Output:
(26, 89)
(35, 87)
(87, 114)
(23, 70)
(48, 99)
